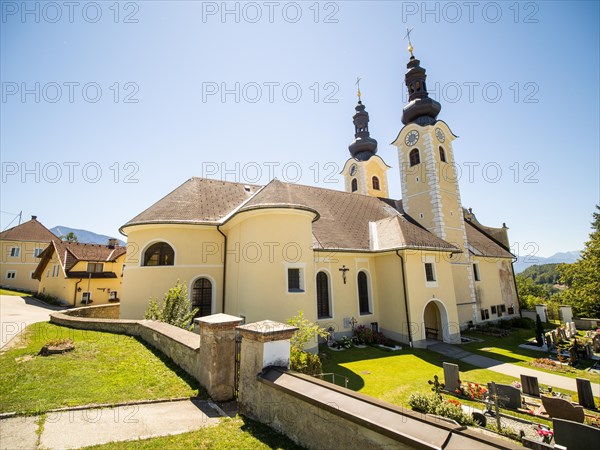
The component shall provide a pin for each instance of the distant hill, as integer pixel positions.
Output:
(561, 257)
(83, 236)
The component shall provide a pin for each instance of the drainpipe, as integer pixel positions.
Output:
(518, 305)
(75, 293)
(224, 267)
(410, 341)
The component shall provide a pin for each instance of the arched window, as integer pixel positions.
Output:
(159, 254)
(354, 185)
(414, 157)
(375, 181)
(364, 302)
(442, 154)
(323, 307)
(202, 297)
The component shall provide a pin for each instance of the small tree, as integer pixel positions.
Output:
(301, 360)
(176, 309)
(539, 330)
(69, 237)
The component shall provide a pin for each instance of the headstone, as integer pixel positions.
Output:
(451, 376)
(588, 350)
(566, 313)
(530, 385)
(596, 343)
(554, 336)
(584, 393)
(573, 328)
(542, 311)
(510, 396)
(575, 436)
(548, 339)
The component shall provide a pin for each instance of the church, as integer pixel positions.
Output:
(419, 269)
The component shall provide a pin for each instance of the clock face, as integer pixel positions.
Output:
(412, 138)
(352, 170)
(440, 135)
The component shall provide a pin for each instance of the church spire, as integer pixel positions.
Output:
(421, 109)
(364, 146)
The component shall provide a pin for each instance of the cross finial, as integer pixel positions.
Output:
(358, 87)
(407, 36)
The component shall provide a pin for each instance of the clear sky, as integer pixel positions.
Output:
(108, 107)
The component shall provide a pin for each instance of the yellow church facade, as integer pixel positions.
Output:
(418, 269)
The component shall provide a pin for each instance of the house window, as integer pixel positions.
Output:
(364, 302)
(15, 251)
(159, 254)
(11, 274)
(95, 267)
(442, 154)
(54, 271)
(112, 296)
(499, 309)
(86, 297)
(494, 309)
(202, 297)
(485, 314)
(295, 279)
(414, 157)
(429, 272)
(354, 185)
(323, 306)
(37, 252)
(503, 308)
(375, 181)
(511, 310)
(476, 272)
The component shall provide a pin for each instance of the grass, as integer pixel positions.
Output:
(239, 433)
(393, 376)
(103, 368)
(9, 292)
(507, 349)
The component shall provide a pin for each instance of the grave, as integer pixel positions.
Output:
(530, 385)
(575, 436)
(451, 376)
(596, 342)
(560, 408)
(510, 396)
(585, 394)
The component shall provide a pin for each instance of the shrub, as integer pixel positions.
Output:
(176, 308)
(432, 404)
(304, 362)
(420, 402)
(364, 334)
(454, 412)
(48, 299)
(523, 322)
(305, 332)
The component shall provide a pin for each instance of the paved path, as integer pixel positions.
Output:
(18, 312)
(80, 428)
(550, 379)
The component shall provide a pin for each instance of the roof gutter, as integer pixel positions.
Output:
(410, 341)
(224, 268)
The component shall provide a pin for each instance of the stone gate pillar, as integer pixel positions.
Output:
(264, 344)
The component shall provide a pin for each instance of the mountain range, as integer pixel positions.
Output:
(526, 261)
(83, 236)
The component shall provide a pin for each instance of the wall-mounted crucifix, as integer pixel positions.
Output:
(344, 269)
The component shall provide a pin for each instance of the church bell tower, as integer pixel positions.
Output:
(365, 172)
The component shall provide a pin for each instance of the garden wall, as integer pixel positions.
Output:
(208, 358)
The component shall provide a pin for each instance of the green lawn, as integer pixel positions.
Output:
(239, 433)
(103, 368)
(9, 292)
(507, 349)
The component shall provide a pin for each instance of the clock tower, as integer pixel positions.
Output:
(430, 192)
(365, 172)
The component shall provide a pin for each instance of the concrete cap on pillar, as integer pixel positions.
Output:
(267, 331)
(218, 321)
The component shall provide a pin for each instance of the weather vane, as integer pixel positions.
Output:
(407, 36)
(358, 87)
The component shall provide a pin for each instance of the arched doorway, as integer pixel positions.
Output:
(435, 321)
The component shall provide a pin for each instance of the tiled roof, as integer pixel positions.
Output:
(481, 245)
(31, 230)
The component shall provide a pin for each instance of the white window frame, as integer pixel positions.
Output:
(15, 252)
(11, 272)
(476, 272)
(95, 271)
(430, 260)
(88, 295)
(37, 251)
(369, 292)
(330, 291)
(302, 283)
(112, 295)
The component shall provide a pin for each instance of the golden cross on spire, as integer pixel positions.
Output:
(358, 87)
(407, 36)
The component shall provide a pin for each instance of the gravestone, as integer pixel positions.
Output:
(530, 385)
(510, 396)
(588, 350)
(451, 376)
(573, 328)
(584, 393)
(596, 343)
(554, 336)
(548, 340)
(575, 436)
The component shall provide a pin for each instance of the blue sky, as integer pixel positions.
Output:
(106, 109)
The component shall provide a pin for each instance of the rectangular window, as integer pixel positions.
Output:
(11, 274)
(15, 251)
(511, 311)
(476, 272)
(86, 297)
(485, 314)
(499, 309)
(494, 309)
(112, 295)
(429, 272)
(37, 252)
(295, 280)
(95, 267)
(503, 308)
(54, 271)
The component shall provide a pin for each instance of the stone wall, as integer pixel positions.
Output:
(99, 311)
(208, 358)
